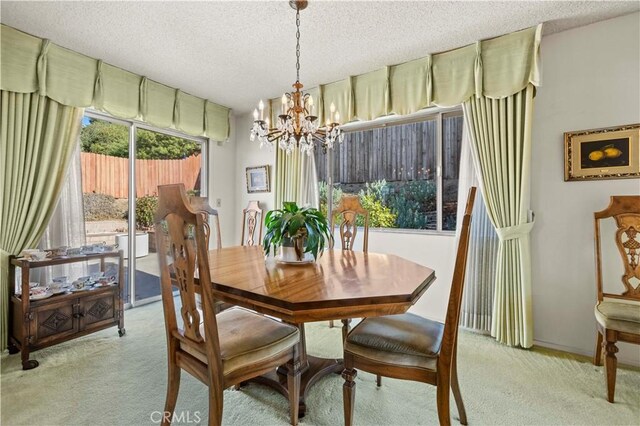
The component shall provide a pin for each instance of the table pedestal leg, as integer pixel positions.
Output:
(317, 369)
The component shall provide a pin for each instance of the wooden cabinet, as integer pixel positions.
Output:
(36, 324)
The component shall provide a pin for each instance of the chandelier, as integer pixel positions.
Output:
(296, 126)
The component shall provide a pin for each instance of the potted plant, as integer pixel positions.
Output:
(296, 231)
(145, 235)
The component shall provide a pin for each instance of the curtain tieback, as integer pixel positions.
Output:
(514, 232)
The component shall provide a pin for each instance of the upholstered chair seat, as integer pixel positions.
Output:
(238, 348)
(618, 316)
(406, 340)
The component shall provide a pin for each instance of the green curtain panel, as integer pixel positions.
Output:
(500, 134)
(288, 173)
(37, 138)
(32, 65)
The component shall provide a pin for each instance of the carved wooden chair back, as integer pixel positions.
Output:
(347, 214)
(201, 204)
(181, 230)
(625, 210)
(251, 222)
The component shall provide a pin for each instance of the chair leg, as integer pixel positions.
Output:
(611, 363)
(331, 324)
(597, 354)
(349, 394)
(346, 327)
(455, 387)
(215, 406)
(293, 386)
(442, 398)
(378, 380)
(173, 387)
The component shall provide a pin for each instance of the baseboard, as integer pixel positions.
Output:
(589, 354)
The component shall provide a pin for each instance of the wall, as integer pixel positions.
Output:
(222, 160)
(591, 79)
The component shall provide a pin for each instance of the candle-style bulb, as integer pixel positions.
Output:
(337, 117)
(310, 101)
(332, 108)
(284, 99)
(261, 105)
(255, 114)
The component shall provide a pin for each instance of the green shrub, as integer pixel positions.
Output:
(145, 209)
(323, 189)
(414, 204)
(372, 199)
(100, 207)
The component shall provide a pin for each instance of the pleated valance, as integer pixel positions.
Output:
(494, 68)
(30, 64)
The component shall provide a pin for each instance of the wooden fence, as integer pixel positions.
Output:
(104, 174)
(395, 153)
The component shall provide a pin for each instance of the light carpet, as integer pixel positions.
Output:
(105, 380)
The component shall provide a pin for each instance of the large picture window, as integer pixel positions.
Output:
(405, 174)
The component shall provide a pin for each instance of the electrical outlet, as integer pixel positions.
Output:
(218, 202)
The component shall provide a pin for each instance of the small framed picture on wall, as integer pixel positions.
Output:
(258, 179)
(607, 153)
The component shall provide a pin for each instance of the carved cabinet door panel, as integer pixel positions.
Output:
(52, 322)
(98, 310)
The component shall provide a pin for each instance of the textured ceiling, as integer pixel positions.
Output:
(235, 52)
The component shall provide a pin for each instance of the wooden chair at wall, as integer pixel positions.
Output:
(251, 221)
(347, 212)
(618, 314)
(201, 204)
(222, 350)
(410, 347)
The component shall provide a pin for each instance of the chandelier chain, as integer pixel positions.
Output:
(298, 45)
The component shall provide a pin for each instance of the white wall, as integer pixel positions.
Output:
(591, 79)
(222, 159)
(249, 154)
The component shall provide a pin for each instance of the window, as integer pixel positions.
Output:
(112, 149)
(405, 174)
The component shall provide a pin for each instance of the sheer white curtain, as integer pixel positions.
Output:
(66, 227)
(477, 299)
(309, 193)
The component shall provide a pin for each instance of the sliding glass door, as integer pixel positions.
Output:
(161, 158)
(122, 165)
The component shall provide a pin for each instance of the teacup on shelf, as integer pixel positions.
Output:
(75, 251)
(59, 251)
(79, 285)
(39, 255)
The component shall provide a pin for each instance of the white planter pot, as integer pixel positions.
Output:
(142, 244)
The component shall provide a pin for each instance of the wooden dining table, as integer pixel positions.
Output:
(340, 285)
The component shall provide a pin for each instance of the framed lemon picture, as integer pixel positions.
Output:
(608, 153)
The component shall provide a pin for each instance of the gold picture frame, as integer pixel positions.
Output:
(258, 179)
(606, 153)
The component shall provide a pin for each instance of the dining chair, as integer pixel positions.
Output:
(201, 204)
(618, 314)
(345, 215)
(221, 350)
(252, 221)
(411, 347)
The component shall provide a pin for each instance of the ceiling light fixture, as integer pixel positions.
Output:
(296, 125)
